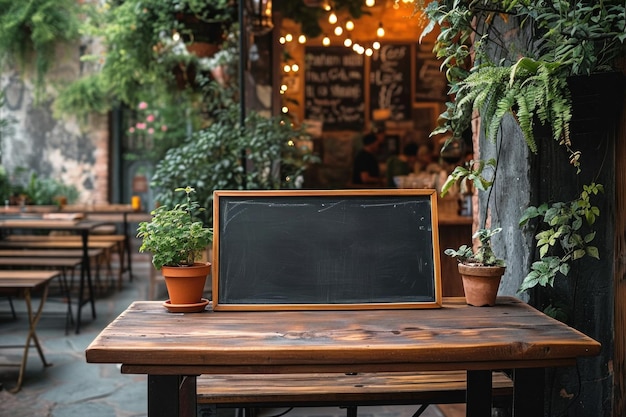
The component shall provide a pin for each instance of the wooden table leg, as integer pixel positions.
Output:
(33, 319)
(478, 394)
(528, 392)
(171, 396)
(85, 275)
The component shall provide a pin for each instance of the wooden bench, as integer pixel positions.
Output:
(343, 390)
(46, 242)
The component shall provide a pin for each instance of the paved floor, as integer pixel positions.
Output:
(71, 387)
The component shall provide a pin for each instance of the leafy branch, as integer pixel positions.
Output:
(564, 239)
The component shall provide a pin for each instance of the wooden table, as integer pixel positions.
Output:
(108, 212)
(12, 282)
(83, 228)
(173, 348)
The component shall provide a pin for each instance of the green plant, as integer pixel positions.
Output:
(212, 158)
(473, 171)
(175, 237)
(563, 237)
(483, 256)
(45, 191)
(31, 29)
(145, 55)
(529, 81)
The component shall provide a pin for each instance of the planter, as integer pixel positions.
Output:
(481, 283)
(185, 284)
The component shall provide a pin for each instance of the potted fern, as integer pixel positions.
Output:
(176, 239)
(481, 270)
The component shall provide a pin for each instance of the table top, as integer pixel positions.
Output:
(147, 339)
(25, 279)
(50, 224)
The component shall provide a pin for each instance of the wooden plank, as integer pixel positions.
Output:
(25, 279)
(38, 262)
(56, 245)
(509, 333)
(64, 238)
(339, 389)
(65, 253)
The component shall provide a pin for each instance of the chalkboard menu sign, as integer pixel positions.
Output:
(390, 80)
(430, 84)
(336, 249)
(334, 88)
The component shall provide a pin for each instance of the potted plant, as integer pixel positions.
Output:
(176, 239)
(481, 270)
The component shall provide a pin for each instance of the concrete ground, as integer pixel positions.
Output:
(72, 388)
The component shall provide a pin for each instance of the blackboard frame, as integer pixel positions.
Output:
(227, 202)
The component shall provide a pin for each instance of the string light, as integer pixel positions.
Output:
(332, 18)
(349, 25)
(282, 40)
(369, 52)
(380, 32)
(301, 39)
(326, 41)
(287, 68)
(370, 3)
(376, 45)
(338, 31)
(289, 37)
(347, 42)
(295, 67)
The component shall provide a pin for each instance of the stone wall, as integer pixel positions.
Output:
(62, 149)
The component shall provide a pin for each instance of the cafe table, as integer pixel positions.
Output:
(173, 348)
(82, 228)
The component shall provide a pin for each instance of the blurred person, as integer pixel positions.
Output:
(402, 164)
(365, 171)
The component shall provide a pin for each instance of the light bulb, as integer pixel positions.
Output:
(370, 3)
(176, 37)
(380, 32)
(301, 39)
(285, 109)
(347, 42)
(289, 37)
(376, 45)
(349, 25)
(369, 52)
(332, 18)
(338, 31)
(282, 40)
(326, 41)
(295, 67)
(287, 68)
(283, 87)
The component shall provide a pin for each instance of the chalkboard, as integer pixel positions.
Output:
(430, 82)
(390, 80)
(334, 88)
(337, 249)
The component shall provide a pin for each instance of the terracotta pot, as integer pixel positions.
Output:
(185, 284)
(481, 283)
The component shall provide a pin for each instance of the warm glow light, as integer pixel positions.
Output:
(282, 40)
(376, 45)
(327, 6)
(176, 37)
(369, 52)
(285, 109)
(349, 25)
(361, 50)
(291, 143)
(287, 68)
(370, 3)
(289, 37)
(380, 32)
(338, 31)
(347, 42)
(295, 67)
(301, 39)
(283, 87)
(326, 41)
(332, 18)
(356, 47)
